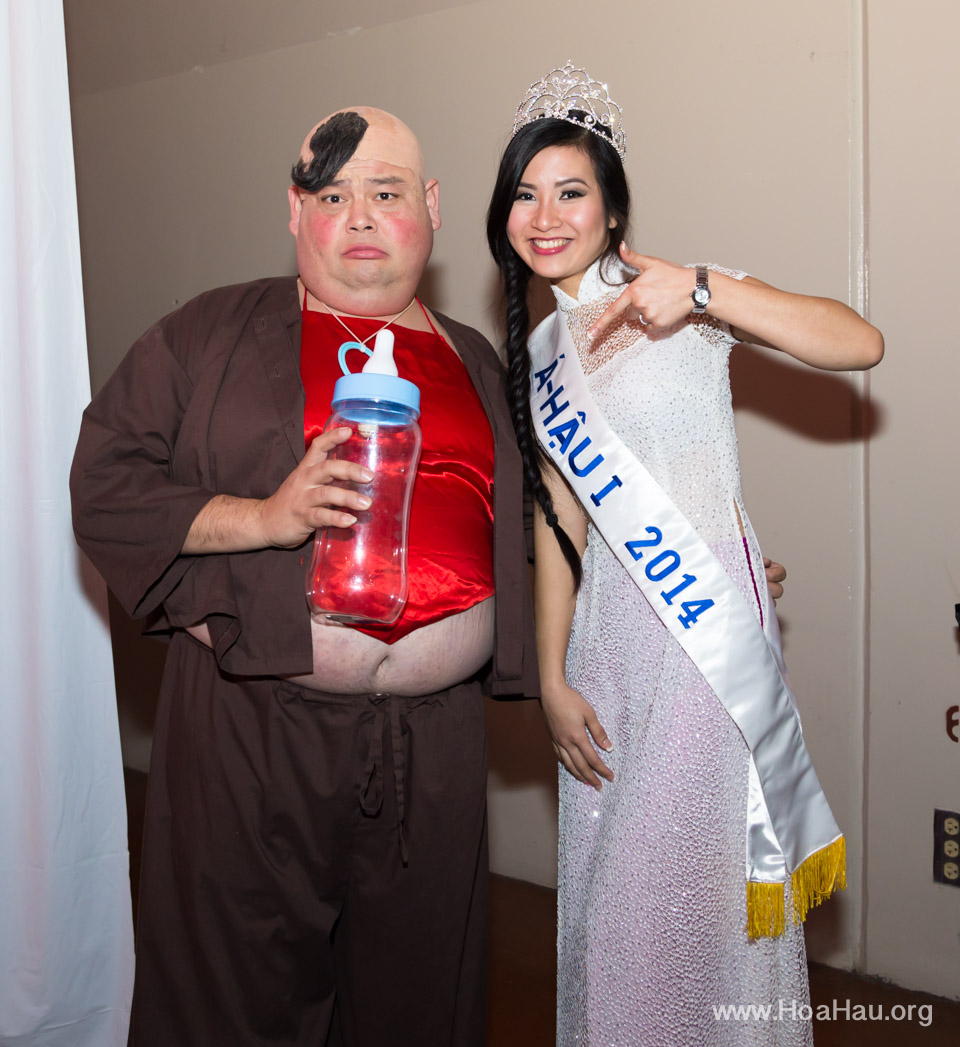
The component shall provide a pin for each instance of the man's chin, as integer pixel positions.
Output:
(368, 291)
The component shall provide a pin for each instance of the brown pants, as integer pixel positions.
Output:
(314, 866)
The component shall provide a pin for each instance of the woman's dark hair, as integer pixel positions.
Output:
(608, 170)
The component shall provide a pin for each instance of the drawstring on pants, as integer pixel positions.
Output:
(371, 798)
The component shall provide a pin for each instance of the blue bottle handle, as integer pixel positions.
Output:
(345, 348)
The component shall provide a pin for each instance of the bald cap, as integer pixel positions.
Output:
(384, 138)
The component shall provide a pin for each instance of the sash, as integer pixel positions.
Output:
(790, 831)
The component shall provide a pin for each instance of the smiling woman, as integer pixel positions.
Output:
(686, 849)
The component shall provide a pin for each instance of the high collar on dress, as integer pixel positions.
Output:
(593, 285)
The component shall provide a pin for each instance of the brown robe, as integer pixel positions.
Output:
(209, 401)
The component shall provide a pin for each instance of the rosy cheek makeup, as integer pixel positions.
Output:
(405, 231)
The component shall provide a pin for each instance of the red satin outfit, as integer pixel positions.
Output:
(450, 540)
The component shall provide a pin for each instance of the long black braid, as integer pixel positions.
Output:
(526, 143)
(516, 282)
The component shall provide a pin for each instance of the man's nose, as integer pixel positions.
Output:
(360, 217)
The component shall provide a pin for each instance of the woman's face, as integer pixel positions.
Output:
(557, 224)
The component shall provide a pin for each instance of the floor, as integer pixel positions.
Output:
(523, 973)
(523, 969)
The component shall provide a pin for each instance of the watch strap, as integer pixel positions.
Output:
(701, 293)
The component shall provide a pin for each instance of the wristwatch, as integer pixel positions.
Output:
(701, 293)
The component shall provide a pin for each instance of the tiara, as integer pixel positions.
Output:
(565, 93)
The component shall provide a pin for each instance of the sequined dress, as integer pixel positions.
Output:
(652, 899)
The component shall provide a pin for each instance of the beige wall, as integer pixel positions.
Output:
(747, 145)
(913, 927)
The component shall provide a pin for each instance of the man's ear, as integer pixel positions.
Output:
(431, 192)
(296, 205)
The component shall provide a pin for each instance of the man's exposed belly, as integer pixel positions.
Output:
(429, 659)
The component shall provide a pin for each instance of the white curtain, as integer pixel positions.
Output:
(66, 948)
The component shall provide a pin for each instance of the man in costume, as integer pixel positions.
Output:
(315, 854)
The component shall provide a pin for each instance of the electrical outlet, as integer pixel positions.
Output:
(946, 847)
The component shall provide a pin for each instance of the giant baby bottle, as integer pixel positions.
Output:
(358, 574)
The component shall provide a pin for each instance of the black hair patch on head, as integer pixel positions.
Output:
(332, 145)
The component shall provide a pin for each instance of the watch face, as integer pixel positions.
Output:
(701, 296)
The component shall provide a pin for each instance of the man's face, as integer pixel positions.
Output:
(364, 239)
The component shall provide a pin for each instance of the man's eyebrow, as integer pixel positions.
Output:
(345, 183)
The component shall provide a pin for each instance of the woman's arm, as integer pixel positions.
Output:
(568, 714)
(819, 331)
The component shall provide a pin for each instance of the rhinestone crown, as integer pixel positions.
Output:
(563, 90)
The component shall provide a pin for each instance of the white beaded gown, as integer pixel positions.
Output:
(652, 895)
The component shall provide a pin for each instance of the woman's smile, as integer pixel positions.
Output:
(549, 246)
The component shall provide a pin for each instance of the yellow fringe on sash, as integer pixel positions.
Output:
(824, 872)
(765, 917)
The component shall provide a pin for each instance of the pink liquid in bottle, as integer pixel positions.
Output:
(358, 574)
